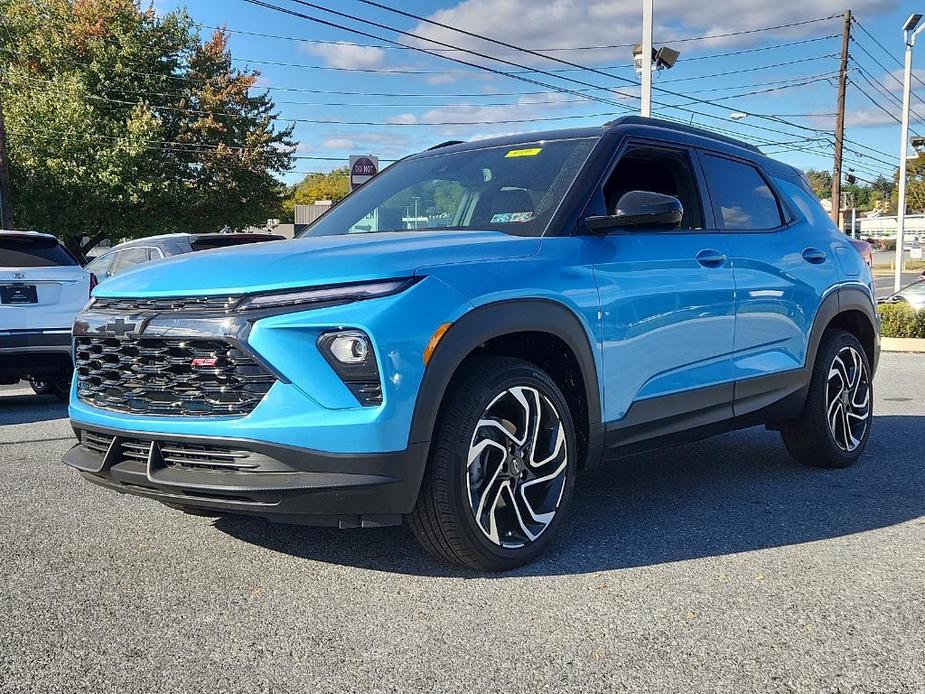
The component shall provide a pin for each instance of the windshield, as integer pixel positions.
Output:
(515, 189)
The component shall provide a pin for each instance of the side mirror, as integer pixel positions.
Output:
(640, 208)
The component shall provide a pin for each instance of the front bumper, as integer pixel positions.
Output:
(281, 483)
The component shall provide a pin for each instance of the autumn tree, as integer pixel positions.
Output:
(123, 124)
(332, 186)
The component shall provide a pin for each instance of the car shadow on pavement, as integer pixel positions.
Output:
(732, 493)
(30, 408)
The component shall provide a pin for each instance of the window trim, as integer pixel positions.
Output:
(636, 142)
(788, 218)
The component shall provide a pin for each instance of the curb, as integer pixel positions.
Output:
(902, 344)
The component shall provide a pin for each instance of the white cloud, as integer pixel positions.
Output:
(339, 143)
(385, 143)
(402, 119)
(349, 55)
(870, 117)
(564, 23)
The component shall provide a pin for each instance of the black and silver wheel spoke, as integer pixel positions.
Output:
(847, 399)
(517, 466)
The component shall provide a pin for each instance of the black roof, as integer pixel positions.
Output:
(692, 132)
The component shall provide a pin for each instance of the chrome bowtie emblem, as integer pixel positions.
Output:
(119, 327)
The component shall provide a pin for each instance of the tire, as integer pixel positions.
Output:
(518, 485)
(58, 385)
(42, 387)
(833, 429)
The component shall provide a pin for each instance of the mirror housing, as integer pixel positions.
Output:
(639, 208)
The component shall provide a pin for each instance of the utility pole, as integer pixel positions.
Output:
(840, 120)
(909, 34)
(646, 59)
(6, 202)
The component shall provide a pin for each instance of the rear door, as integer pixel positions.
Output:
(667, 304)
(783, 265)
(41, 285)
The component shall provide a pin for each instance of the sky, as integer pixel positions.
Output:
(394, 101)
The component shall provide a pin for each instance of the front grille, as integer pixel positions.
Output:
(95, 442)
(199, 457)
(191, 304)
(177, 454)
(157, 376)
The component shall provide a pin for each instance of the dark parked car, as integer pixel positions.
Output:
(130, 254)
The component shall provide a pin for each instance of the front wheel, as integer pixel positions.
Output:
(833, 429)
(501, 470)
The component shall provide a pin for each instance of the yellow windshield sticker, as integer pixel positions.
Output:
(531, 152)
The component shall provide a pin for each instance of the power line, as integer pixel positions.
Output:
(883, 91)
(510, 46)
(683, 39)
(889, 73)
(414, 71)
(885, 50)
(328, 121)
(750, 69)
(324, 22)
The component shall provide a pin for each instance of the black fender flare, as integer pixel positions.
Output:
(494, 320)
(844, 298)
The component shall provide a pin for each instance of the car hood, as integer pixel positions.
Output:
(316, 261)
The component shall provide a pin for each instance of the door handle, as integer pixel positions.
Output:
(814, 256)
(711, 258)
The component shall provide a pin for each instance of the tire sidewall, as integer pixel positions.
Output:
(459, 489)
(833, 346)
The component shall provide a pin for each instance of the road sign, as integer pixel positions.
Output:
(362, 168)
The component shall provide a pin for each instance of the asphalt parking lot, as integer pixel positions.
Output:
(720, 566)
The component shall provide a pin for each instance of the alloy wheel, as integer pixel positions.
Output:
(847, 399)
(517, 467)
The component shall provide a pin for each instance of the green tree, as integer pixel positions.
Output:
(123, 124)
(820, 182)
(915, 186)
(333, 186)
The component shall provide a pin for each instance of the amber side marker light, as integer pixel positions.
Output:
(434, 341)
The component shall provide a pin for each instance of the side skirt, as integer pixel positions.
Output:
(680, 418)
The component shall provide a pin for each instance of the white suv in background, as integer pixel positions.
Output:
(42, 288)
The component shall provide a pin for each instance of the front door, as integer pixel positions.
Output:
(667, 305)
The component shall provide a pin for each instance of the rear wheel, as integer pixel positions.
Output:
(58, 385)
(42, 386)
(501, 470)
(833, 429)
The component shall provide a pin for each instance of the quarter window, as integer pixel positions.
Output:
(742, 198)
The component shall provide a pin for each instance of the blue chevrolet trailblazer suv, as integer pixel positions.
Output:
(459, 338)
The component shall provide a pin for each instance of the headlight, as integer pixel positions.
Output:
(350, 354)
(331, 294)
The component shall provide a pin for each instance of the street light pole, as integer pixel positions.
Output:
(646, 105)
(910, 32)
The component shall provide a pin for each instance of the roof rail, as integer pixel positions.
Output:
(681, 127)
(446, 144)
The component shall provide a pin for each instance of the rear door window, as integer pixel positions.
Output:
(22, 251)
(742, 199)
(128, 259)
